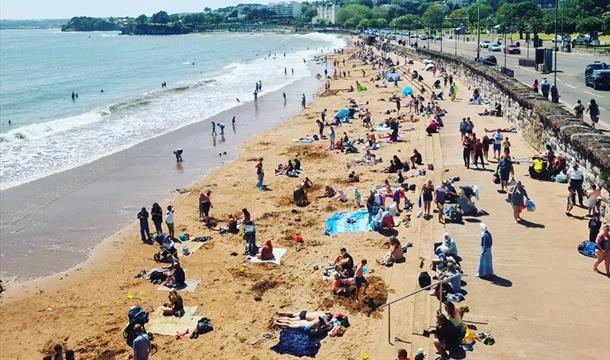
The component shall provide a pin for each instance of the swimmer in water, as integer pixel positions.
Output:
(237, 99)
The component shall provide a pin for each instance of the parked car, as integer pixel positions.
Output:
(485, 44)
(494, 48)
(598, 79)
(512, 49)
(488, 60)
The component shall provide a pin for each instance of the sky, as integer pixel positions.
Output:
(65, 9)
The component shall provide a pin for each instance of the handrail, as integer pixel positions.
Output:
(418, 291)
(388, 304)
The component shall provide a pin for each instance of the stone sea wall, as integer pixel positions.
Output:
(539, 121)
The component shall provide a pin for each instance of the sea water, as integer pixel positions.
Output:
(118, 81)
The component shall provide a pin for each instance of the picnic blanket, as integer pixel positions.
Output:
(277, 257)
(298, 343)
(348, 222)
(191, 285)
(168, 325)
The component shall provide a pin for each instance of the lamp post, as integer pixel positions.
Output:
(556, 47)
(478, 29)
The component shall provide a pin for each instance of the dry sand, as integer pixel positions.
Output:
(86, 308)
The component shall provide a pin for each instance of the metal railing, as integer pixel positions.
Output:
(388, 304)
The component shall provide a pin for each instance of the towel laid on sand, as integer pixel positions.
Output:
(348, 222)
(277, 257)
(191, 285)
(168, 325)
(298, 343)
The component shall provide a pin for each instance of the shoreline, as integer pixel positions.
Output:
(59, 188)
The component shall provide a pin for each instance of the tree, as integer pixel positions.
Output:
(352, 11)
(160, 18)
(310, 13)
(485, 11)
(142, 19)
(364, 23)
(434, 15)
(352, 22)
(406, 22)
(379, 23)
(457, 17)
(589, 24)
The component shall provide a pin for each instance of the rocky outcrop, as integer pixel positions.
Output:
(155, 29)
(539, 121)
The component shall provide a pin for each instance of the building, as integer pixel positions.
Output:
(326, 14)
(286, 9)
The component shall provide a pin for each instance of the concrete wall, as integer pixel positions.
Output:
(539, 121)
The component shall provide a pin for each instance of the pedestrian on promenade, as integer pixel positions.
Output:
(603, 249)
(576, 178)
(486, 142)
(554, 95)
(466, 145)
(156, 214)
(535, 86)
(595, 224)
(260, 174)
(579, 109)
(144, 229)
(593, 110)
(485, 269)
(497, 139)
(517, 200)
(303, 101)
(478, 153)
(545, 87)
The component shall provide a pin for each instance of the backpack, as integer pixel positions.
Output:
(136, 315)
(204, 325)
(424, 279)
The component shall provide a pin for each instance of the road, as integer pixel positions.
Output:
(570, 77)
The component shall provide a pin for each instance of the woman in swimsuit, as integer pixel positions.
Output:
(320, 322)
(204, 206)
(603, 249)
(426, 192)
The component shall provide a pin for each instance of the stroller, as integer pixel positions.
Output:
(136, 315)
(167, 251)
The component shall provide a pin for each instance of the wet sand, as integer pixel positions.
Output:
(52, 224)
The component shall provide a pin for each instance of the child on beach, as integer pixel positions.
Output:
(570, 200)
(361, 283)
(169, 221)
(506, 146)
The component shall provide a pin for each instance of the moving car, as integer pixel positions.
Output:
(590, 79)
(485, 44)
(488, 60)
(494, 48)
(512, 49)
(582, 39)
(598, 79)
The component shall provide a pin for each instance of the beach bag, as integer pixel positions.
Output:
(204, 325)
(561, 178)
(531, 206)
(424, 279)
(495, 178)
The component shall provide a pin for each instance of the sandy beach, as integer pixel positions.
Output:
(85, 309)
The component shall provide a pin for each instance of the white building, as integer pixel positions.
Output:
(286, 9)
(326, 14)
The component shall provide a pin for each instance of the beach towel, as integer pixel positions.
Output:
(348, 222)
(298, 343)
(190, 286)
(192, 246)
(587, 248)
(304, 140)
(168, 325)
(277, 257)
(382, 128)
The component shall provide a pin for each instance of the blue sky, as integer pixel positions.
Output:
(64, 9)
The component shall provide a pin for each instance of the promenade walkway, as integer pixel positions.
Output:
(546, 302)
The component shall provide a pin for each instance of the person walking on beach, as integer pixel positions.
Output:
(303, 101)
(466, 146)
(485, 269)
(323, 115)
(144, 229)
(603, 249)
(213, 128)
(576, 178)
(497, 138)
(169, 221)
(222, 128)
(205, 204)
(255, 96)
(284, 97)
(260, 174)
(504, 170)
(178, 154)
(141, 344)
(156, 214)
(233, 121)
(593, 110)
(426, 194)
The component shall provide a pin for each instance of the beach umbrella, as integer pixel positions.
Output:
(407, 91)
(343, 113)
(429, 66)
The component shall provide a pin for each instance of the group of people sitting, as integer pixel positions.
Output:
(347, 277)
(292, 169)
(547, 166)
(496, 111)
(300, 193)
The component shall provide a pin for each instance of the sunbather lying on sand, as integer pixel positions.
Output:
(320, 323)
(304, 315)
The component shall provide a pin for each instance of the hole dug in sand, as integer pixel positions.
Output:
(376, 295)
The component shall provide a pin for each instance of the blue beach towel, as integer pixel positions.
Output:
(348, 222)
(298, 343)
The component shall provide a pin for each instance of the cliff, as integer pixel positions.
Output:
(85, 23)
(155, 29)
